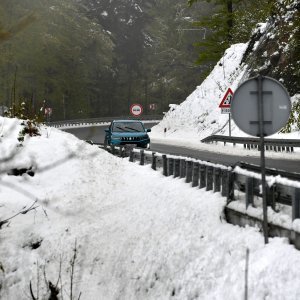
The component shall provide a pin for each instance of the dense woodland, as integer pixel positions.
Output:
(89, 58)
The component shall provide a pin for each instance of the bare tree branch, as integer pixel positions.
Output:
(23, 212)
(31, 292)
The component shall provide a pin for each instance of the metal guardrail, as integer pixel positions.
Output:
(101, 120)
(269, 171)
(225, 179)
(277, 145)
(231, 182)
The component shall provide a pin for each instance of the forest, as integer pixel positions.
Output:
(88, 58)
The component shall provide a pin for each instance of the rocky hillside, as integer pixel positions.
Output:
(274, 49)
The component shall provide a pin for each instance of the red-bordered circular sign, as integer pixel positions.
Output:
(136, 109)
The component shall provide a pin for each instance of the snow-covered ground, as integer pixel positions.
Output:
(138, 234)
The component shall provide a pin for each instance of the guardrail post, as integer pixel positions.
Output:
(142, 162)
(230, 186)
(195, 174)
(131, 155)
(296, 204)
(165, 165)
(188, 177)
(217, 180)
(176, 167)
(224, 174)
(159, 162)
(270, 191)
(209, 178)
(171, 166)
(249, 191)
(202, 176)
(122, 151)
(182, 172)
(153, 165)
(112, 150)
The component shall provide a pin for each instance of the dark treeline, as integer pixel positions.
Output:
(90, 58)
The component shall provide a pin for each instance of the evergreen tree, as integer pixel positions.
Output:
(50, 57)
(171, 72)
(232, 22)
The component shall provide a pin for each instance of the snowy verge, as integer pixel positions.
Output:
(139, 235)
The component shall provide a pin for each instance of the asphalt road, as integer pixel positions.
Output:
(96, 134)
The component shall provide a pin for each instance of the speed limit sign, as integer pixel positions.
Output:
(136, 109)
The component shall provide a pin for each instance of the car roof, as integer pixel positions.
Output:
(128, 121)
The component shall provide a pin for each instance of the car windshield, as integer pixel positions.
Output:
(128, 127)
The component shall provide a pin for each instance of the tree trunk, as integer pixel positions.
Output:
(229, 19)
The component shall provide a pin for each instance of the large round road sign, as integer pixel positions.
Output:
(276, 106)
(136, 109)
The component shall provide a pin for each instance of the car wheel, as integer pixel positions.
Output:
(105, 144)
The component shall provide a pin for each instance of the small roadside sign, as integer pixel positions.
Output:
(48, 111)
(153, 106)
(136, 109)
(225, 110)
(226, 101)
(225, 106)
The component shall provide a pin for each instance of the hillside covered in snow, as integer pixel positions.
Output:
(270, 52)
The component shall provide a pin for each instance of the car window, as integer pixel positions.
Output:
(128, 127)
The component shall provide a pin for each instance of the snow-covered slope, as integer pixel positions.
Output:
(199, 115)
(138, 234)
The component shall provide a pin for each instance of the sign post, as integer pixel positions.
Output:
(225, 105)
(48, 113)
(260, 107)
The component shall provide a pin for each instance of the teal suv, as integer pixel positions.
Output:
(127, 132)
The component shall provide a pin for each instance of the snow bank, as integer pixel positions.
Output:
(139, 235)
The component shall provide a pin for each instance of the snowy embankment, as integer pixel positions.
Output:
(199, 115)
(139, 235)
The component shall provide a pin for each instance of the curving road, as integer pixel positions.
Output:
(96, 134)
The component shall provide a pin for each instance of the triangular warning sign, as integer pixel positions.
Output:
(226, 101)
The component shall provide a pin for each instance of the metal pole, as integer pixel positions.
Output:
(229, 124)
(64, 106)
(262, 155)
(246, 274)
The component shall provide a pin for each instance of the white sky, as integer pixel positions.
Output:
(139, 235)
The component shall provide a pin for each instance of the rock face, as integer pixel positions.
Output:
(274, 49)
